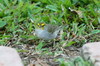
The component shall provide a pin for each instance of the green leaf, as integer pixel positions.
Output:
(2, 23)
(39, 47)
(99, 20)
(52, 7)
(95, 31)
(1, 1)
(2, 42)
(5, 36)
(2, 6)
(70, 43)
(75, 1)
(21, 50)
(7, 3)
(30, 15)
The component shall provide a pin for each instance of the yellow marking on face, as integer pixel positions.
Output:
(42, 24)
(38, 24)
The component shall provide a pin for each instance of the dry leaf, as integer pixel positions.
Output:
(80, 13)
(39, 62)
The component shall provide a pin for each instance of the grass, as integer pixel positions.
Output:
(80, 18)
(78, 61)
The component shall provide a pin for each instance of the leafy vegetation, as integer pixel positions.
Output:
(80, 18)
(78, 61)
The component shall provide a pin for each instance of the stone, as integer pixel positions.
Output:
(9, 57)
(91, 52)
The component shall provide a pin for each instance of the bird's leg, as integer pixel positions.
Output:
(54, 43)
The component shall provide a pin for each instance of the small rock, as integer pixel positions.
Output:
(91, 52)
(9, 57)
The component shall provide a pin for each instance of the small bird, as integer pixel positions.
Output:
(49, 32)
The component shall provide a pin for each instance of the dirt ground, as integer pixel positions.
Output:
(31, 57)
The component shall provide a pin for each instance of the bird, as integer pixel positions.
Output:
(48, 32)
